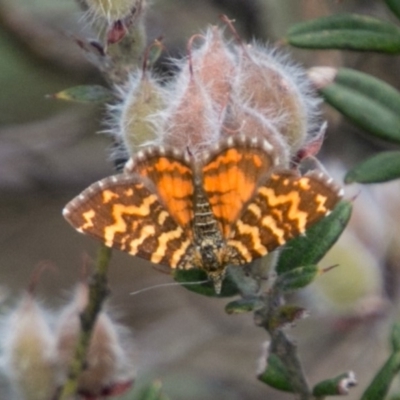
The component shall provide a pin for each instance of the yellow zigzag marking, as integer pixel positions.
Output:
(254, 232)
(270, 223)
(163, 240)
(294, 211)
(118, 210)
(321, 200)
(241, 248)
(88, 217)
(108, 195)
(179, 253)
(145, 232)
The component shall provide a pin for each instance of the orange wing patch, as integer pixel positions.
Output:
(230, 180)
(173, 180)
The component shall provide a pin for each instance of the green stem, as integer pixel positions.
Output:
(286, 351)
(281, 346)
(98, 292)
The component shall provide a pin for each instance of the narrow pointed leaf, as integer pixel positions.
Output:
(395, 337)
(380, 168)
(394, 5)
(309, 249)
(369, 86)
(380, 385)
(339, 385)
(343, 21)
(297, 278)
(276, 375)
(368, 102)
(241, 306)
(84, 94)
(154, 53)
(347, 31)
(349, 40)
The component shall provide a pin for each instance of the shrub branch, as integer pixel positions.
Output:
(98, 292)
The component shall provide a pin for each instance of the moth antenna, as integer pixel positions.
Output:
(165, 285)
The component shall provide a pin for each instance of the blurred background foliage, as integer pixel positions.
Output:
(49, 152)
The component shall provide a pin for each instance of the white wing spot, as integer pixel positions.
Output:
(267, 145)
(229, 142)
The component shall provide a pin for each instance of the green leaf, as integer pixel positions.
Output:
(154, 52)
(343, 21)
(347, 31)
(395, 337)
(310, 248)
(368, 102)
(276, 375)
(297, 278)
(380, 168)
(379, 387)
(196, 281)
(394, 5)
(349, 40)
(84, 94)
(339, 385)
(241, 306)
(370, 86)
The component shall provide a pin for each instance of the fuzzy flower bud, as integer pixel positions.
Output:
(248, 121)
(214, 65)
(224, 89)
(142, 98)
(191, 121)
(278, 89)
(111, 10)
(121, 18)
(29, 356)
(109, 367)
